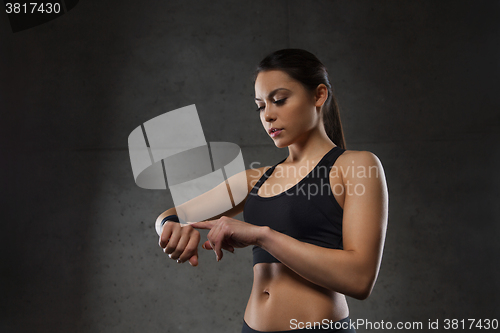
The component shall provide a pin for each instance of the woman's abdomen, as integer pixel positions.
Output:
(280, 296)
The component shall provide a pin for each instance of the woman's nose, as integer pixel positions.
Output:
(269, 116)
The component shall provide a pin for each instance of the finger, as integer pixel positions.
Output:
(225, 246)
(204, 224)
(207, 245)
(166, 234)
(173, 241)
(212, 238)
(228, 247)
(181, 245)
(193, 261)
(191, 247)
(218, 240)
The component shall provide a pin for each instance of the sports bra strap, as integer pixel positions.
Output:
(266, 175)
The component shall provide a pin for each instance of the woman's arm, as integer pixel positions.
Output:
(179, 241)
(353, 270)
(241, 184)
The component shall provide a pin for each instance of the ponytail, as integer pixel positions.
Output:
(331, 119)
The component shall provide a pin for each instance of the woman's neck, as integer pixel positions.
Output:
(315, 145)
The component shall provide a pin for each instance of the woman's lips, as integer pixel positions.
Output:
(275, 133)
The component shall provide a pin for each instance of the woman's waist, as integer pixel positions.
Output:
(281, 279)
(280, 296)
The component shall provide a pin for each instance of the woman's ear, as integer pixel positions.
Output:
(321, 95)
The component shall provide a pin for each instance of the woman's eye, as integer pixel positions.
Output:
(278, 102)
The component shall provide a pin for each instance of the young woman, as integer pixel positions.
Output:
(317, 219)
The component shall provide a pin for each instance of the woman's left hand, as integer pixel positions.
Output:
(228, 233)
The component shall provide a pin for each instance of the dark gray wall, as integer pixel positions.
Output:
(418, 85)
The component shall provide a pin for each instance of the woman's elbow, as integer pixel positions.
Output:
(363, 287)
(363, 294)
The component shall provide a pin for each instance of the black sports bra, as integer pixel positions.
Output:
(307, 211)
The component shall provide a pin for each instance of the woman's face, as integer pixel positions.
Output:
(286, 106)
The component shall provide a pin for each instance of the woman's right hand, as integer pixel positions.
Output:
(180, 242)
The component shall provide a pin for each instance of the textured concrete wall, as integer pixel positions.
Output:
(417, 83)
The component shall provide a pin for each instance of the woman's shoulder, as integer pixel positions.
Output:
(358, 157)
(352, 163)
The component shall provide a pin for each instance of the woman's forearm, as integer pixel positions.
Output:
(347, 272)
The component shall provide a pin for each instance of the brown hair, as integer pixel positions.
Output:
(304, 67)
